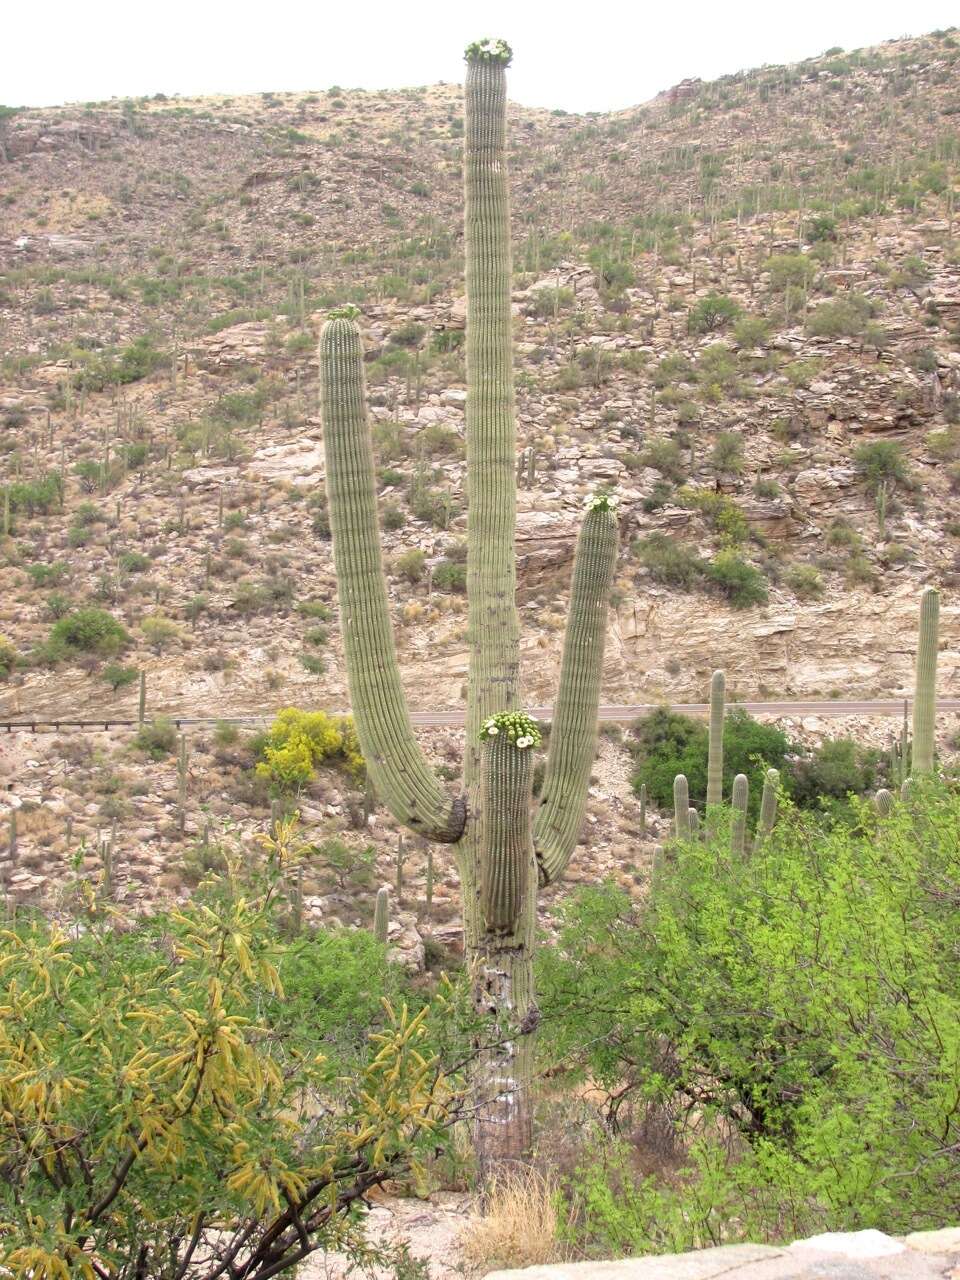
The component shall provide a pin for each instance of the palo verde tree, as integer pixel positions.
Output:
(504, 850)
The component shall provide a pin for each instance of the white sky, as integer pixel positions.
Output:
(592, 55)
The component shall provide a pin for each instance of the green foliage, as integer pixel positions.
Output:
(36, 496)
(751, 331)
(844, 317)
(8, 657)
(713, 312)
(159, 631)
(300, 740)
(807, 998)
(804, 580)
(727, 453)
(48, 575)
(130, 364)
(193, 1067)
(788, 269)
(668, 561)
(157, 738)
(450, 575)
(86, 630)
(118, 677)
(665, 743)
(881, 461)
(838, 768)
(739, 582)
(411, 565)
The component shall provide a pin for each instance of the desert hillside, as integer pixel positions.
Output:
(738, 305)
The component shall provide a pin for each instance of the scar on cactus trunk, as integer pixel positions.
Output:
(504, 849)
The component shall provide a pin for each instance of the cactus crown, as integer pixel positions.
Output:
(487, 50)
(347, 312)
(519, 728)
(602, 501)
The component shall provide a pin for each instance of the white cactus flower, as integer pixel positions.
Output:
(492, 730)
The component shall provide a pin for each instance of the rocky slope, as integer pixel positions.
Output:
(738, 304)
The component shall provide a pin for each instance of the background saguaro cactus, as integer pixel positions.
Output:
(503, 850)
(925, 695)
(715, 750)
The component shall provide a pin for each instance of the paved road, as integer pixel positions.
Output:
(832, 708)
(40, 722)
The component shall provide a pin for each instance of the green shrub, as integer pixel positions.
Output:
(727, 453)
(159, 631)
(881, 461)
(157, 738)
(670, 561)
(36, 496)
(411, 565)
(807, 998)
(844, 317)
(751, 331)
(666, 457)
(118, 677)
(805, 581)
(8, 657)
(788, 269)
(740, 583)
(86, 631)
(48, 575)
(838, 768)
(300, 740)
(450, 575)
(665, 743)
(713, 312)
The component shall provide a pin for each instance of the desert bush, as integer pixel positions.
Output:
(300, 740)
(881, 461)
(169, 1074)
(159, 632)
(804, 998)
(8, 657)
(118, 677)
(713, 312)
(411, 565)
(157, 738)
(805, 581)
(87, 630)
(738, 581)
(835, 770)
(669, 561)
(665, 743)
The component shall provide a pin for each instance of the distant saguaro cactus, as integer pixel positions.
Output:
(768, 805)
(381, 915)
(738, 821)
(715, 749)
(504, 850)
(925, 694)
(681, 807)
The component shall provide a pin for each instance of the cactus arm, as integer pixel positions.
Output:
(925, 696)
(715, 753)
(401, 775)
(573, 738)
(493, 625)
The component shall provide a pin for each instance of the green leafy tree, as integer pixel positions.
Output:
(189, 1093)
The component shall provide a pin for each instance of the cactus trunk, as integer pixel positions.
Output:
(503, 851)
(738, 819)
(715, 751)
(925, 695)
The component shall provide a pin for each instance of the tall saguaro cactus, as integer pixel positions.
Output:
(715, 750)
(504, 850)
(925, 694)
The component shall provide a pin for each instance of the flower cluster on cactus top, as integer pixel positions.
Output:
(346, 312)
(602, 502)
(489, 51)
(516, 726)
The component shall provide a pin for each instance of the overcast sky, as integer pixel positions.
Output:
(591, 55)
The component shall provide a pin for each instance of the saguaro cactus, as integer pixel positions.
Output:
(681, 807)
(715, 751)
(768, 806)
(738, 819)
(925, 694)
(503, 850)
(381, 915)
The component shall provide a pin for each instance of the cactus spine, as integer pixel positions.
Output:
(681, 807)
(738, 821)
(715, 750)
(381, 915)
(925, 694)
(502, 855)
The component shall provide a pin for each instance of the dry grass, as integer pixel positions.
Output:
(520, 1227)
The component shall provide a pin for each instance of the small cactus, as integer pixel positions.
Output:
(738, 824)
(381, 915)
(681, 807)
(693, 822)
(643, 808)
(428, 890)
(142, 703)
(768, 806)
(883, 802)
